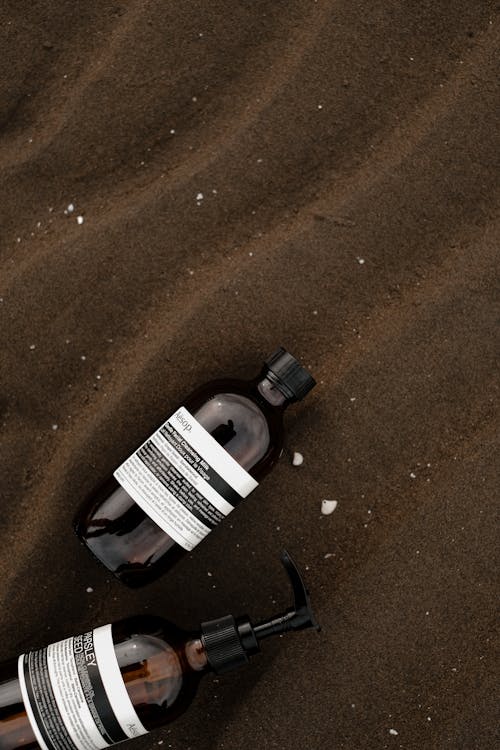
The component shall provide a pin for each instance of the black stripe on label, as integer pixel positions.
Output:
(43, 703)
(180, 487)
(93, 689)
(200, 465)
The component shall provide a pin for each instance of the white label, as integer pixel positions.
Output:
(74, 694)
(184, 480)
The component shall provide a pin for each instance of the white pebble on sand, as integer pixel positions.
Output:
(199, 196)
(70, 208)
(298, 459)
(361, 261)
(89, 590)
(55, 427)
(328, 506)
(413, 475)
(393, 731)
(79, 219)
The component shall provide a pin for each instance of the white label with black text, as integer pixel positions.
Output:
(75, 696)
(184, 479)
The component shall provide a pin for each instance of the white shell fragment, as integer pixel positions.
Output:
(393, 731)
(298, 459)
(70, 208)
(79, 219)
(328, 506)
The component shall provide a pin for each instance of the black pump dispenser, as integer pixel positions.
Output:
(229, 642)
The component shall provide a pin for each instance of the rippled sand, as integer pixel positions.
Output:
(318, 175)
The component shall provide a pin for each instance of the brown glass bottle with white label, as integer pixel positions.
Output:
(192, 472)
(120, 681)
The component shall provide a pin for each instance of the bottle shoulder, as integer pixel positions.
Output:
(237, 415)
(151, 654)
(211, 389)
(150, 625)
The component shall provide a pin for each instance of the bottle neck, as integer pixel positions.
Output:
(196, 655)
(269, 388)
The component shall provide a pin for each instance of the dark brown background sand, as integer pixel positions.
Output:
(332, 132)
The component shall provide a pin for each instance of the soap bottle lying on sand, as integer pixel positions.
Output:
(192, 472)
(122, 680)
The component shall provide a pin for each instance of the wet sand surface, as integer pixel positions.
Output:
(318, 175)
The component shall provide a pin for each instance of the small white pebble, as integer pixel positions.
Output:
(353, 398)
(328, 506)
(194, 98)
(199, 196)
(298, 459)
(32, 346)
(413, 475)
(55, 426)
(89, 589)
(79, 219)
(250, 254)
(361, 261)
(98, 377)
(328, 554)
(393, 731)
(315, 312)
(70, 208)
(18, 239)
(83, 357)
(320, 106)
(427, 613)
(209, 574)
(429, 718)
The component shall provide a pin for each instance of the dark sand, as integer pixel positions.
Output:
(320, 134)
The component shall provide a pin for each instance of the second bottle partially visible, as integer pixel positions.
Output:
(192, 472)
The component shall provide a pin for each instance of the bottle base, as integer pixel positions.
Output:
(133, 575)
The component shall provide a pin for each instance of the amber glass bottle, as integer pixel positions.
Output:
(122, 680)
(192, 472)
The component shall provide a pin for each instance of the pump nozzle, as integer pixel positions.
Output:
(229, 642)
(298, 617)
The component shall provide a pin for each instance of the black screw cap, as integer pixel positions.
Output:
(289, 375)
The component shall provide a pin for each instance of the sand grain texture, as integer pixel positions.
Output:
(347, 154)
